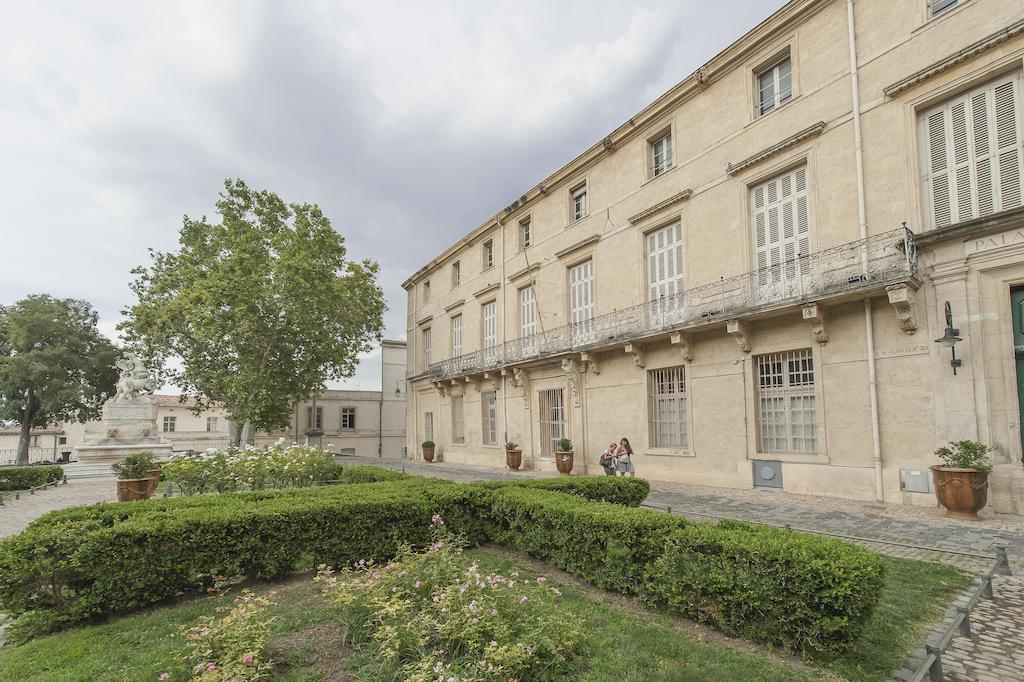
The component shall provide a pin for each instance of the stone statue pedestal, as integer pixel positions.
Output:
(129, 428)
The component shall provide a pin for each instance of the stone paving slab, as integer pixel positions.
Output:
(16, 514)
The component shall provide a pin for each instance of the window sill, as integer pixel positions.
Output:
(941, 16)
(758, 117)
(489, 447)
(577, 221)
(667, 452)
(652, 178)
(791, 457)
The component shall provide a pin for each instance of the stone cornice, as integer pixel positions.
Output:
(525, 271)
(979, 227)
(486, 290)
(425, 319)
(791, 141)
(452, 306)
(785, 19)
(661, 206)
(592, 239)
(986, 43)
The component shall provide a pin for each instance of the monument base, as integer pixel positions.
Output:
(109, 453)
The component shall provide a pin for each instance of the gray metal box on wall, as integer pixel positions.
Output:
(916, 480)
(767, 473)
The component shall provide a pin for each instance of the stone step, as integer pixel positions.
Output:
(75, 470)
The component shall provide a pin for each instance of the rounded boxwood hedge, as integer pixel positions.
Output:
(22, 478)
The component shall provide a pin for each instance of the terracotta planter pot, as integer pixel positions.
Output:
(514, 459)
(155, 474)
(564, 462)
(961, 491)
(428, 454)
(129, 489)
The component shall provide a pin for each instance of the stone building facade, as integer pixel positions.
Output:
(747, 278)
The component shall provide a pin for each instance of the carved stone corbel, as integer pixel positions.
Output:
(474, 382)
(442, 390)
(589, 361)
(901, 296)
(572, 373)
(521, 379)
(740, 331)
(639, 357)
(685, 344)
(489, 382)
(815, 315)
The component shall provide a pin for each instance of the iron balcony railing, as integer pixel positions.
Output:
(873, 262)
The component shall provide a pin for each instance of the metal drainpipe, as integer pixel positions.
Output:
(863, 225)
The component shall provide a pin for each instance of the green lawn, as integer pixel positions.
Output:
(622, 642)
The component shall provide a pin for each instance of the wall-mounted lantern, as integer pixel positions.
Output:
(949, 339)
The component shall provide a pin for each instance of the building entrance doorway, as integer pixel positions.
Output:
(552, 421)
(1017, 306)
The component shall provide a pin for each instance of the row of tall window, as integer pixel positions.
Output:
(315, 421)
(170, 424)
(785, 399)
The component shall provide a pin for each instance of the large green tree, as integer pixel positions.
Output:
(257, 310)
(54, 364)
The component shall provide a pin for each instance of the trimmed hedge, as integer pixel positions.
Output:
(616, 490)
(805, 592)
(21, 478)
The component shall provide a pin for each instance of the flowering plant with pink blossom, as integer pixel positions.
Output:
(437, 615)
(231, 646)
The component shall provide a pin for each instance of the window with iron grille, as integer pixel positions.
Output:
(667, 405)
(348, 417)
(458, 420)
(578, 197)
(319, 419)
(787, 410)
(525, 233)
(552, 420)
(170, 423)
(937, 6)
(661, 154)
(971, 147)
(428, 426)
(775, 85)
(488, 254)
(489, 416)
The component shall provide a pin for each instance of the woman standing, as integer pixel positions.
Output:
(624, 463)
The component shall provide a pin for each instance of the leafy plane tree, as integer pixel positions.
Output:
(54, 364)
(260, 309)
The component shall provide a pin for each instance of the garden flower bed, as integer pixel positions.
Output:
(251, 468)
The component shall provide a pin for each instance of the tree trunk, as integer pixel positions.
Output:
(247, 433)
(235, 436)
(28, 413)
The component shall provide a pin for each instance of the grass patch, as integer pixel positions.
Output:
(622, 641)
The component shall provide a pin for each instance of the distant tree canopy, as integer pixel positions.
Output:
(54, 364)
(260, 308)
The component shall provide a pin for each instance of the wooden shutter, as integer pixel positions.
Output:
(972, 150)
(490, 328)
(457, 335)
(527, 312)
(581, 292)
(781, 227)
(665, 262)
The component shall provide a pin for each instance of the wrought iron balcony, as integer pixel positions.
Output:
(860, 266)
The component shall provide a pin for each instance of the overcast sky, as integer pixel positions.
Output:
(409, 123)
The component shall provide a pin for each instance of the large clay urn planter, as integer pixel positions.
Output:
(129, 489)
(564, 462)
(514, 459)
(428, 454)
(961, 491)
(155, 474)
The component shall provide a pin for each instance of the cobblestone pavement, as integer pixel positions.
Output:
(996, 649)
(16, 514)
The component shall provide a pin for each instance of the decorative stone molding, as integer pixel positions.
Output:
(740, 331)
(521, 379)
(791, 141)
(452, 306)
(592, 239)
(486, 290)
(661, 206)
(589, 361)
(425, 319)
(901, 296)
(685, 344)
(442, 390)
(489, 382)
(639, 357)
(972, 50)
(815, 315)
(525, 271)
(572, 374)
(608, 144)
(473, 381)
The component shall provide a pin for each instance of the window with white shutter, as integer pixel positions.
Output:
(489, 321)
(489, 418)
(972, 153)
(782, 235)
(426, 348)
(665, 269)
(458, 419)
(457, 336)
(528, 320)
(581, 301)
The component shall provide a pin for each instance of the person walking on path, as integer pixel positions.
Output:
(624, 459)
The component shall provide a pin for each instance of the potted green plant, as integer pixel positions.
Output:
(428, 450)
(134, 476)
(564, 457)
(961, 481)
(513, 455)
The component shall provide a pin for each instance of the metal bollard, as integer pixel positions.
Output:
(935, 672)
(65, 481)
(668, 509)
(17, 496)
(1003, 567)
(965, 621)
(1, 499)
